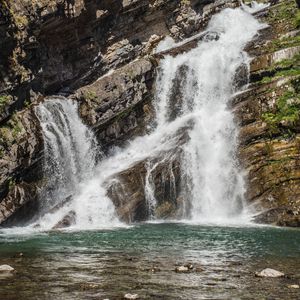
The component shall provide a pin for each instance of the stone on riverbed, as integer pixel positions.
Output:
(269, 273)
(293, 286)
(6, 268)
(131, 296)
(182, 269)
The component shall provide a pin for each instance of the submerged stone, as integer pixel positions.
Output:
(6, 268)
(182, 269)
(293, 286)
(190, 266)
(269, 273)
(131, 296)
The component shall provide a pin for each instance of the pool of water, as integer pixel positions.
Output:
(141, 260)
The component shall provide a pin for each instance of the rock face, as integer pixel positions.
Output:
(152, 187)
(268, 115)
(20, 164)
(50, 45)
(118, 106)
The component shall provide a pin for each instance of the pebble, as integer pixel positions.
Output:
(269, 273)
(181, 269)
(6, 268)
(131, 296)
(155, 269)
(293, 286)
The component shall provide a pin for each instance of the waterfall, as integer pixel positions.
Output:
(70, 151)
(207, 82)
(193, 93)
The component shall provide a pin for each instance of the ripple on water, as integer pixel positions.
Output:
(141, 259)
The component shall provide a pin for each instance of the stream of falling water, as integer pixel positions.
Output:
(192, 88)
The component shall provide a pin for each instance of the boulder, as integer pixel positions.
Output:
(182, 269)
(269, 273)
(68, 220)
(6, 268)
(293, 286)
(131, 296)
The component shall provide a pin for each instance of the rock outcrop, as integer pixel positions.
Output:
(118, 106)
(153, 187)
(20, 164)
(268, 115)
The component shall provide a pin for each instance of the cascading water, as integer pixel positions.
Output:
(208, 75)
(193, 93)
(69, 150)
(70, 159)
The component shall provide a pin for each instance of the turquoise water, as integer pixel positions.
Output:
(141, 259)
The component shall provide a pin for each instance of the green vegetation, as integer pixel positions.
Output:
(284, 17)
(297, 19)
(11, 183)
(284, 68)
(4, 100)
(11, 132)
(90, 95)
(27, 103)
(287, 113)
(185, 2)
(286, 11)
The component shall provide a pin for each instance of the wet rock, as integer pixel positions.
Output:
(6, 268)
(155, 269)
(127, 188)
(190, 266)
(67, 221)
(182, 269)
(293, 286)
(270, 155)
(131, 296)
(118, 105)
(269, 273)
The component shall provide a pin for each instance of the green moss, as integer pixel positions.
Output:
(297, 19)
(90, 95)
(11, 184)
(185, 2)
(280, 161)
(286, 115)
(27, 103)
(20, 20)
(10, 133)
(284, 68)
(4, 101)
(285, 11)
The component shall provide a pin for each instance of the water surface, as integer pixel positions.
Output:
(110, 263)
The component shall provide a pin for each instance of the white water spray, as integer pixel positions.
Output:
(70, 160)
(208, 75)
